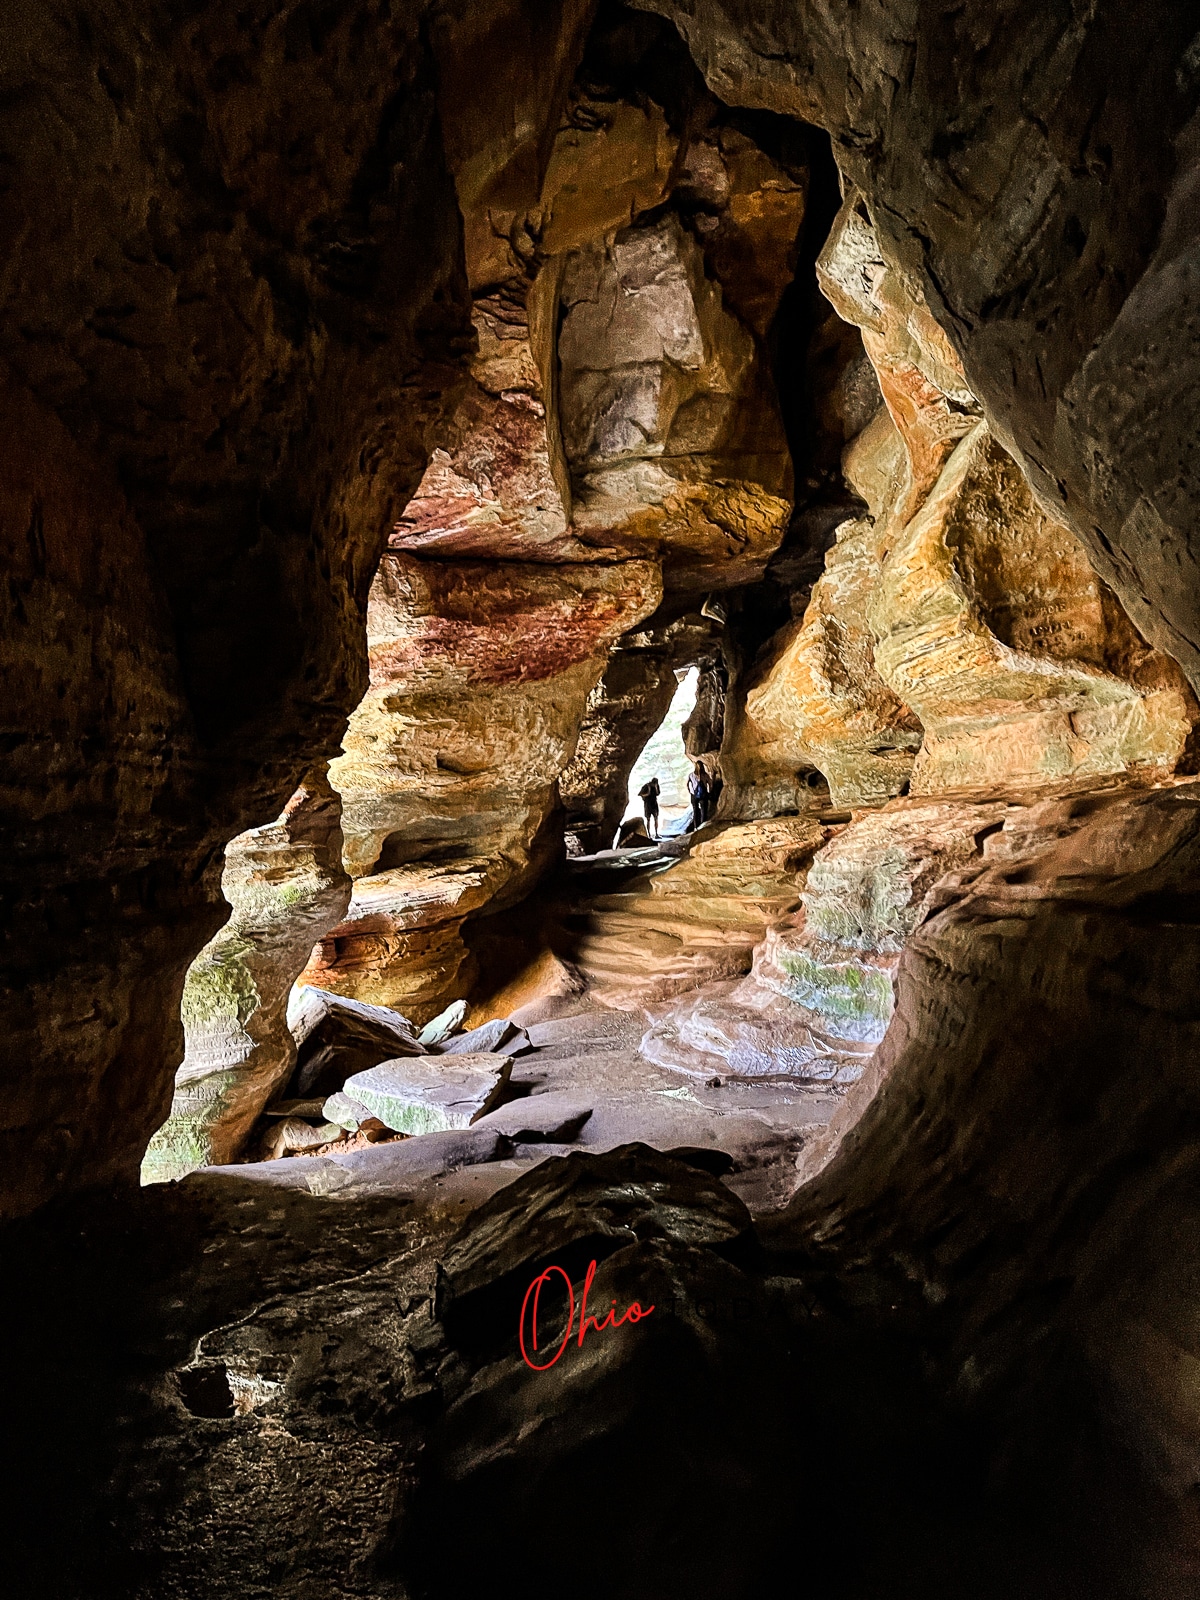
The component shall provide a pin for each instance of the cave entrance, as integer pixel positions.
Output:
(664, 757)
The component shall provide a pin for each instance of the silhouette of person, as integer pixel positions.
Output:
(698, 792)
(648, 794)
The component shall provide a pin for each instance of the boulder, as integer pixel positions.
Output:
(569, 1211)
(292, 1133)
(347, 1112)
(336, 1036)
(431, 1095)
(540, 1119)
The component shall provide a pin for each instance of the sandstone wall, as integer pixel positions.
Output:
(958, 623)
(618, 442)
(1033, 174)
(286, 886)
(480, 676)
(215, 392)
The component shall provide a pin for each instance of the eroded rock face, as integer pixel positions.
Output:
(480, 675)
(1021, 664)
(1036, 178)
(957, 610)
(669, 931)
(820, 994)
(1045, 1028)
(667, 421)
(623, 711)
(217, 392)
(286, 886)
(819, 701)
(619, 422)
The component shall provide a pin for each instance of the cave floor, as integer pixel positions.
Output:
(584, 1064)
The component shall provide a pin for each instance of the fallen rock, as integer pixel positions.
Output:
(571, 1210)
(500, 1033)
(444, 1024)
(293, 1134)
(540, 1119)
(307, 1109)
(337, 1036)
(431, 1096)
(384, 1169)
(347, 1112)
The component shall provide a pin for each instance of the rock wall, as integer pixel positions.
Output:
(618, 443)
(1023, 1174)
(1032, 173)
(819, 994)
(286, 887)
(668, 424)
(957, 623)
(480, 675)
(215, 394)
(623, 711)
(818, 701)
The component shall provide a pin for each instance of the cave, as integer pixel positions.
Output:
(423, 420)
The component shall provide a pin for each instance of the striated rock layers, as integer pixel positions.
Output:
(286, 886)
(235, 297)
(959, 638)
(618, 438)
(668, 931)
(1026, 1130)
(818, 702)
(820, 995)
(1032, 172)
(480, 675)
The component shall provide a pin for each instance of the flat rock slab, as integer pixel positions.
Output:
(540, 1118)
(388, 1169)
(500, 1034)
(431, 1094)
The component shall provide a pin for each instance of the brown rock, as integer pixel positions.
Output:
(480, 675)
(819, 701)
(668, 931)
(819, 997)
(658, 385)
(993, 625)
(624, 709)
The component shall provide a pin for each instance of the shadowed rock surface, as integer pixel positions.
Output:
(844, 352)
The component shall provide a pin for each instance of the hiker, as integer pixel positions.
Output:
(698, 792)
(648, 794)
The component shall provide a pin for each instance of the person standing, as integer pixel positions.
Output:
(648, 794)
(698, 791)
